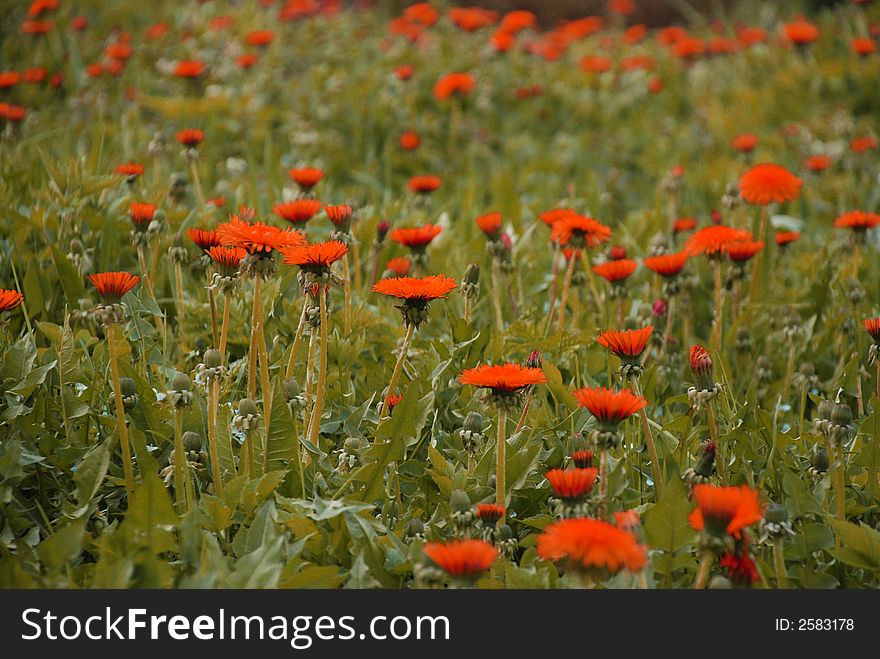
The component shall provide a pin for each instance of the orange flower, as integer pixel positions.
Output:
(490, 513)
(608, 406)
(714, 240)
(766, 183)
(340, 215)
(228, 258)
(416, 290)
(616, 271)
(204, 239)
(591, 544)
(424, 184)
(700, 360)
(857, 221)
(490, 224)
(626, 343)
(141, 214)
(638, 63)
(112, 286)
(460, 84)
(404, 71)
(580, 230)
(422, 13)
(683, 224)
(595, 64)
(156, 31)
(189, 68)
(688, 47)
(12, 112)
(863, 46)
(36, 27)
(417, 237)
(392, 401)
(34, 75)
(800, 32)
(784, 238)
(518, 20)
(502, 41)
(551, 217)
(582, 459)
(471, 19)
(297, 211)
(506, 378)
(818, 163)
(315, 257)
(121, 51)
(725, 510)
(741, 251)
(666, 265)
(744, 143)
(246, 61)
(190, 137)
(130, 169)
(9, 299)
(462, 558)
(399, 265)
(259, 37)
(623, 7)
(628, 520)
(572, 484)
(306, 177)
(749, 36)
(9, 79)
(257, 237)
(873, 327)
(410, 141)
(862, 144)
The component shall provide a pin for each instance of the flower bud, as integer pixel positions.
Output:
(473, 422)
(776, 513)
(504, 532)
(459, 501)
(382, 231)
(192, 441)
(415, 527)
(291, 389)
(127, 386)
(658, 309)
(472, 274)
(825, 409)
(180, 382)
(701, 367)
(841, 415)
(819, 461)
(534, 360)
(213, 358)
(247, 407)
(705, 466)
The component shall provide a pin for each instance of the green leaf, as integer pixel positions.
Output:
(315, 576)
(799, 499)
(259, 569)
(71, 282)
(861, 545)
(150, 519)
(283, 442)
(90, 473)
(359, 576)
(557, 388)
(62, 547)
(666, 524)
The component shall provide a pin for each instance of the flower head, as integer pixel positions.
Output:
(626, 344)
(554, 215)
(490, 513)
(417, 238)
(857, 221)
(315, 257)
(111, 286)
(297, 211)
(616, 271)
(9, 299)
(340, 215)
(745, 142)
(767, 183)
(591, 544)
(608, 406)
(416, 293)
(141, 214)
(818, 163)
(684, 224)
(190, 137)
(800, 32)
(743, 250)
(872, 325)
(582, 459)
(579, 231)
(862, 144)
(572, 484)
(714, 240)
(725, 510)
(257, 237)
(503, 379)
(454, 84)
(306, 177)
(228, 258)
(204, 239)
(785, 238)
(424, 184)
(490, 224)
(129, 169)
(666, 265)
(741, 569)
(189, 68)
(462, 558)
(399, 265)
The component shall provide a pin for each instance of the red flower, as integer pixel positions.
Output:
(416, 238)
(700, 360)
(863, 46)
(579, 229)
(616, 271)
(189, 68)
(784, 238)
(462, 558)
(572, 484)
(141, 214)
(684, 224)
(257, 237)
(120, 51)
(9, 299)
(410, 141)
(297, 211)
(800, 32)
(306, 177)
(873, 327)
(259, 38)
(502, 378)
(340, 215)
(418, 290)
(749, 36)
(490, 513)
(404, 71)
(862, 144)
(626, 343)
(766, 183)
(725, 510)
(591, 544)
(130, 169)
(608, 406)
(190, 137)
(399, 265)
(227, 257)
(582, 459)
(112, 286)
(246, 61)
(460, 84)
(9, 79)
(744, 143)
(424, 184)
(204, 239)
(740, 568)
(666, 265)
(818, 163)
(34, 75)
(857, 220)
(714, 240)
(741, 251)
(595, 64)
(315, 256)
(551, 217)
(490, 224)
(392, 401)
(628, 520)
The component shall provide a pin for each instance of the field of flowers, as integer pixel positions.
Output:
(309, 294)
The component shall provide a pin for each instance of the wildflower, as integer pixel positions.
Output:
(572, 484)
(863, 46)
(399, 266)
(257, 237)
(617, 271)
(340, 215)
(744, 143)
(723, 511)
(579, 231)
(424, 184)
(404, 71)
(111, 286)
(246, 61)
(306, 177)
(490, 225)
(862, 144)
(714, 240)
(743, 250)
(131, 170)
(466, 559)
(259, 38)
(189, 69)
(298, 211)
(667, 265)
(416, 293)
(592, 545)
(800, 32)
(684, 224)
(141, 215)
(595, 64)
(818, 163)
(503, 380)
(315, 258)
(409, 141)
(608, 406)
(9, 299)
(741, 569)
(628, 345)
(417, 238)
(785, 238)
(582, 459)
(490, 513)
(767, 183)
(858, 221)
(454, 84)
(190, 137)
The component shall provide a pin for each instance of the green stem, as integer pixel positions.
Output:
(297, 339)
(703, 571)
(779, 564)
(320, 392)
(121, 428)
(649, 439)
(500, 461)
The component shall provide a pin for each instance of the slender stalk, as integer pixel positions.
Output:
(525, 411)
(297, 339)
(265, 382)
(398, 367)
(789, 371)
(603, 484)
(467, 308)
(212, 301)
(310, 363)
(320, 392)
(197, 184)
(802, 409)
(716, 326)
(213, 452)
(346, 314)
(839, 484)
(224, 329)
(496, 295)
(878, 377)
(779, 565)
(703, 571)
(178, 292)
(121, 428)
(720, 465)
(179, 462)
(500, 461)
(356, 263)
(670, 313)
(649, 439)
(148, 284)
(563, 300)
(253, 349)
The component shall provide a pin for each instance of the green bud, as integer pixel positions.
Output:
(291, 389)
(472, 274)
(825, 409)
(128, 387)
(459, 501)
(819, 460)
(473, 422)
(192, 441)
(841, 415)
(247, 407)
(776, 513)
(504, 532)
(213, 358)
(415, 527)
(180, 382)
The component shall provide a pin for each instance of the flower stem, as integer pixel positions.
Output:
(703, 571)
(603, 484)
(212, 302)
(213, 452)
(720, 465)
(649, 439)
(839, 484)
(500, 461)
(252, 349)
(346, 314)
(496, 295)
(563, 300)
(670, 313)
(197, 184)
(224, 328)
(356, 263)
(121, 428)
(716, 327)
(779, 564)
(148, 284)
(467, 308)
(525, 411)
(179, 462)
(297, 339)
(398, 367)
(320, 394)
(178, 291)
(310, 363)
(789, 371)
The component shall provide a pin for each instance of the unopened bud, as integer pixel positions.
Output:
(180, 382)
(473, 422)
(459, 501)
(127, 386)
(472, 274)
(213, 358)
(247, 407)
(191, 441)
